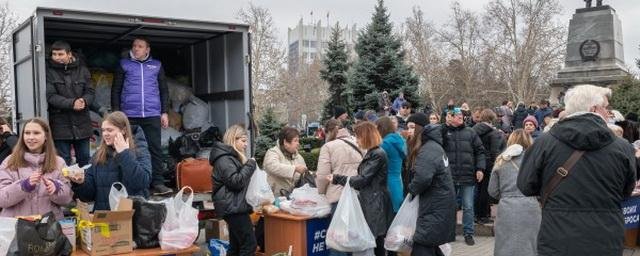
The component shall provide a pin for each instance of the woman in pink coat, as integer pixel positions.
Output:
(31, 181)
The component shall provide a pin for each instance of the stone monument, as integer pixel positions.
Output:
(594, 51)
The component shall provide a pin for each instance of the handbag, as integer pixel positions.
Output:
(195, 173)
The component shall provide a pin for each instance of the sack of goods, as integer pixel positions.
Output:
(195, 114)
(180, 228)
(306, 201)
(148, 217)
(42, 237)
(400, 234)
(259, 192)
(349, 231)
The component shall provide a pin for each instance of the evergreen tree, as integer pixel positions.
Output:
(626, 96)
(334, 73)
(380, 65)
(269, 129)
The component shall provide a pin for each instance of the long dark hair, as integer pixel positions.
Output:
(413, 146)
(49, 150)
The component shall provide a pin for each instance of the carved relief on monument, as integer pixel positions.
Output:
(589, 50)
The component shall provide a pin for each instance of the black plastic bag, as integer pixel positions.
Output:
(42, 237)
(184, 146)
(147, 222)
(306, 178)
(208, 137)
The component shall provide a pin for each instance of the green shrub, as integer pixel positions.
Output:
(308, 143)
(311, 158)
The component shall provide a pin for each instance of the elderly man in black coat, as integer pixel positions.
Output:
(581, 215)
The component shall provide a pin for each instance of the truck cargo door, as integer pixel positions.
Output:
(24, 75)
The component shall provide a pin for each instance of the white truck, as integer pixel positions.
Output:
(212, 57)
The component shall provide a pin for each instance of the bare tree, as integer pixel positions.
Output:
(527, 45)
(425, 53)
(462, 35)
(302, 92)
(8, 23)
(267, 56)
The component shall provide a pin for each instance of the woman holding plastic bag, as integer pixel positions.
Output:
(122, 157)
(371, 182)
(31, 181)
(433, 184)
(230, 182)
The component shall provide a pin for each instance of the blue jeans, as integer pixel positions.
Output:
(81, 148)
(464, 194)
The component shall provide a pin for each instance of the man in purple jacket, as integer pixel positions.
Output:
(140, 91)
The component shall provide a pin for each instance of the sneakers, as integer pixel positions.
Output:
(469, 240)
(159, 190)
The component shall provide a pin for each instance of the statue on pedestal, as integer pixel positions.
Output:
(588, 3)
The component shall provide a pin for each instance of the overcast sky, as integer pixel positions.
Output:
(286, 13)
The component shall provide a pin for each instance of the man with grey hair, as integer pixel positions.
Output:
(582, 172)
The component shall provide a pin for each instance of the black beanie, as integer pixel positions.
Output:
(419, 118)
(338, 111)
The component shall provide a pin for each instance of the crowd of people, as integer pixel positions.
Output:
(558, 175)
(469, 160)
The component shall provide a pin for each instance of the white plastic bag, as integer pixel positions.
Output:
(180, 228)
(259, 192)
(115, 195)
(308, 202)
(195, 113)
(446, 249)
(7, 233)
(349, 231)
(400, 234)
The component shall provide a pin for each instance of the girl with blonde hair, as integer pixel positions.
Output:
(231, 176)
(518, 218)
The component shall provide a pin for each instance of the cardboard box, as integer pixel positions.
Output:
(69, 230)
(216, 229)
(106, 232)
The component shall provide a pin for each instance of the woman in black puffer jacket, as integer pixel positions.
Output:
(230, 181)
(433, 183)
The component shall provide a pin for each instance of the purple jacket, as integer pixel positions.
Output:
(140, 88)
(15, 201)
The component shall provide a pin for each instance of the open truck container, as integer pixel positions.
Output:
(213, 56)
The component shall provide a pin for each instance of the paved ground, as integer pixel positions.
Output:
(484, 247)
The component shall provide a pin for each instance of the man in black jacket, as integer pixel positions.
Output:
(69, 94)
(582, 215)
(493, 142)
(467, 163)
